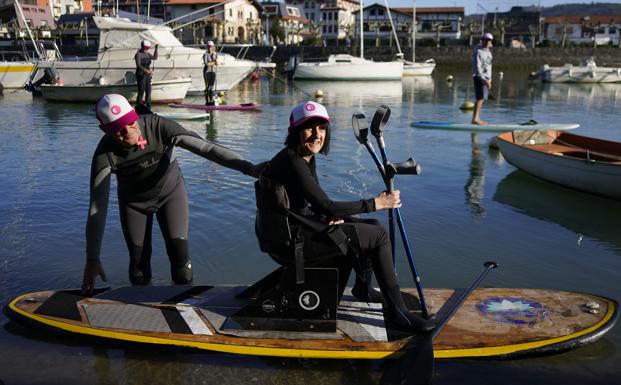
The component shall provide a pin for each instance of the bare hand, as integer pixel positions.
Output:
(335, 221)
(91, 271)
(257, 169)
(386, 200)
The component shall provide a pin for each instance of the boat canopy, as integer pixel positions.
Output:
(123, 33)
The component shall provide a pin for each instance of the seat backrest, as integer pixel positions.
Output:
(272, 223)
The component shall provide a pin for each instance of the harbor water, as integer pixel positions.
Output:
(468, 206)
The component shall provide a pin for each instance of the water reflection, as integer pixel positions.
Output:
(588, 95)
(474, 187)
(583, 214)
(346, 93)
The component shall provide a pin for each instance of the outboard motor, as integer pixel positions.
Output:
(49, 77)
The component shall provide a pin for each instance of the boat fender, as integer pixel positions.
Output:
(449, 78)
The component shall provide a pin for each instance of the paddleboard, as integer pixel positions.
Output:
(240, 107)
(492, 323)
(184, 115)
(491, 127)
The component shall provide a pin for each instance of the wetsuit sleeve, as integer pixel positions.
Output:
(320, 201)
(97, 210)
(176, 135)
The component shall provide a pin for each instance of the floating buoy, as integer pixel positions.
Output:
(467, 106)
(254, 75)
(318, 93)
(501, 74)
(221, 94)
(449, 78)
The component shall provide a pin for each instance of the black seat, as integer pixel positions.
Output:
(292, 297)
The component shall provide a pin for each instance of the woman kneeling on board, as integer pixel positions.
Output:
(294, 168)
(139, 150)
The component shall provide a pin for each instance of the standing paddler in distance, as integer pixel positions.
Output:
(139, 150)
(481, 67)
(210, 62)
(294, 168)
(144, 72)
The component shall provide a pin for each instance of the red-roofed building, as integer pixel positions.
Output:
(600, 30)
(295, 27)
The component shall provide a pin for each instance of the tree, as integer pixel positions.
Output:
(277, 32)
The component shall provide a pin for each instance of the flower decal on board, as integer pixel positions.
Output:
(519, 311)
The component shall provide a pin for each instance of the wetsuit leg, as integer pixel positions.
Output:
(374, 241)
(140, 81)
(147, 91)
(210, 82)
(173, 220)
(136, 227)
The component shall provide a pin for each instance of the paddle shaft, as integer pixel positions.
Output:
(404, 237)
(488, 266)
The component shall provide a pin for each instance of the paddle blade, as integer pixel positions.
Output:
(361, 127)
(415, 366)
(382, 114)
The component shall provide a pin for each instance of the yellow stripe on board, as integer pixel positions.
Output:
(26, 68)
(308, 353)
(508, 349)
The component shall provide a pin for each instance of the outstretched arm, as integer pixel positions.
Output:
(176, 135)
(95, 224)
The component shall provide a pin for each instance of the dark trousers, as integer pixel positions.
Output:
(210, 82)
(144, 88)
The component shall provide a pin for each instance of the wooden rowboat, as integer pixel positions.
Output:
(579, 162)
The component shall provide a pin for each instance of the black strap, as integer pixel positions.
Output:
(335, 233)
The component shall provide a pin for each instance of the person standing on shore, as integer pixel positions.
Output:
(210, 61)
(481, 66)
(144, 73)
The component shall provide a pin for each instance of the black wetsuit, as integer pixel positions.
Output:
(143, 78)
(299, 178)
(209, 75)
(149, 182)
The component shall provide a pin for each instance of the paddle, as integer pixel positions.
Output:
(414, 363)
(361, 132)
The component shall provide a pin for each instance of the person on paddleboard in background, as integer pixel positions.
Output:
(139, 150)
(294, 168)
(144, 72)
(481, 66)
(210, 62)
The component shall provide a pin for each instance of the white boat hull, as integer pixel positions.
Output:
(14, 74)
(121, 67)
(601, 178)
(166, 91)
(419, 69)
(345, 67)
(580, 74)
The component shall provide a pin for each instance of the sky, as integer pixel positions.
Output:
(479, 6)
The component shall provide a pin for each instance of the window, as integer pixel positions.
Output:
(380, 12)
(43, 23)
(329, 15)
(324, 29)
(231, 12)
(372, 12)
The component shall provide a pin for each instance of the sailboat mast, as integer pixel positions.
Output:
(361, 30)
(414, 32)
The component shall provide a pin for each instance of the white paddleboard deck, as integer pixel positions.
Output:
(184, 115)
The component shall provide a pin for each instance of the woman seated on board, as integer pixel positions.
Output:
(294, 168)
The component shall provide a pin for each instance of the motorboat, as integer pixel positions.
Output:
(589, 72)
(162, 91)
(14, 74)
(119, 40)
